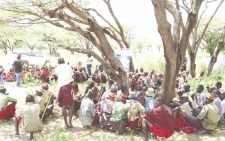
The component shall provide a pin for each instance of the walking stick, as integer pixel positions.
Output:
(46, 107)
(48, 103)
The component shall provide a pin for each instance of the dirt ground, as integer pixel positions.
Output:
(53, 128)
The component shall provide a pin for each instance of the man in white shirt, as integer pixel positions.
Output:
(64, 73)
(29, 114)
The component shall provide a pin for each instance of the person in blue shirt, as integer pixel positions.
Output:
(149, 102)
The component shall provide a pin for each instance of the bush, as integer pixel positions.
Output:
(207, 81)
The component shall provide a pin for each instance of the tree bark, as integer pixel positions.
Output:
(211, 64)
(192, 57)
(169, 81)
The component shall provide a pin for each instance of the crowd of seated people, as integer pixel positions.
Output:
(138, 105)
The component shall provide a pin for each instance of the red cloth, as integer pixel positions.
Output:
(184, 125)
(133, 124)
(8, 112)
(162, 117)
(162, 121)
(161, 132)
(45, 73)
(65, 96)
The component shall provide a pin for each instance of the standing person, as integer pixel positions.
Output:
(64, 73)
(89, 65)
(18, 68)
(66, 86)
(29, 114)
(65, 101)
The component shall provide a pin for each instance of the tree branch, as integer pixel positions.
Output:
(111, 34)
(207, 25)
(177, 21)
(94, 10)
(191, 22)
(121, 33)
(185, 6)
(74, 9)
(164, 28)
(108, 67)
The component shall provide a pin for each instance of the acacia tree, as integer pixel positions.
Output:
(71, 16)
(51, 41)
(8, 43)
(175, 37)
(3, 47)
(196, 39)
(31, 46)
(11, 44)
(214, 43)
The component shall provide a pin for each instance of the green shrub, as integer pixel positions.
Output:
(207, 81)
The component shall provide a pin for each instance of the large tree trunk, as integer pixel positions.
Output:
(192, 57)
(211, 64)
(169, 84)
(173, 63)
(115, 67)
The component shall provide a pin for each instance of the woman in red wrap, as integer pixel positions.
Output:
(159, 121)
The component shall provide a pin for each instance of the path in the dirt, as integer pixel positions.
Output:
(54, 130)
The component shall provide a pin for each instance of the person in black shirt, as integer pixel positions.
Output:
(18, 67)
